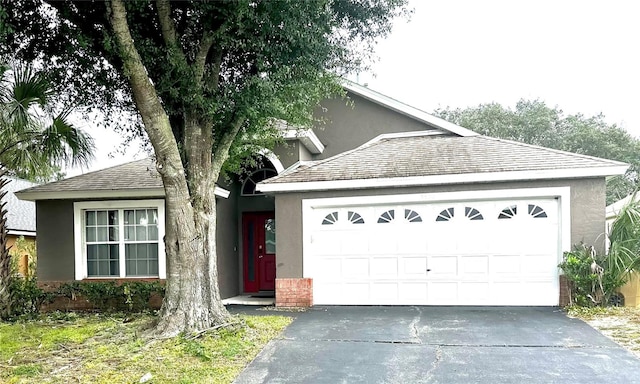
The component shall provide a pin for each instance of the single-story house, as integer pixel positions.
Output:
(631, 290)
(21, 221)
(382, 204)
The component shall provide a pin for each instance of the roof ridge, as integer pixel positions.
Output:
(560, 151)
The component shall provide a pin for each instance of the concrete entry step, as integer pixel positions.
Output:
(249, 300)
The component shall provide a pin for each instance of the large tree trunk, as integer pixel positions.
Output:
(192, 299)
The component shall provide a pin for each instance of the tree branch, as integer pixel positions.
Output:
(156, 120)
(201, 57)
(221, 152)
(169, 33)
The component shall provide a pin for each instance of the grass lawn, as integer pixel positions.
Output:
(621, 324)
(90, 348)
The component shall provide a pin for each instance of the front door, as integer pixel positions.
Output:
(259, 249)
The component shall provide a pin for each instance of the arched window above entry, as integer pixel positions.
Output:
(446, 214)
(508, 212)
(249, 184)
(537, 212)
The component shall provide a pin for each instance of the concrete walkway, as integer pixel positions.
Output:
(440, 345)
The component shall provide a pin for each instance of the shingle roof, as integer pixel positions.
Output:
(136, 175)
(420, 156)
(21, 215)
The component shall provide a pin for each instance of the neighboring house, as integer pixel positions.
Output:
(383, 204)
(631, 290)
(21, 220)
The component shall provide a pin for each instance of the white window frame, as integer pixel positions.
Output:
(79, 235)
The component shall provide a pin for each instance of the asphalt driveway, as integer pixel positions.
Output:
(440, 345)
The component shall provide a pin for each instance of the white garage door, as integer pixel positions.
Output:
(459, 253)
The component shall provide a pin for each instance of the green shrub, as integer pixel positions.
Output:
(26, 296)
(591, 281)
(110, 296)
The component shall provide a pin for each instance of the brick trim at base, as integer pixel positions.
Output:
(294, 292)
(564, 291)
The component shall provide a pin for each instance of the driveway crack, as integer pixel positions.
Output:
(413, 329)
(434, 364)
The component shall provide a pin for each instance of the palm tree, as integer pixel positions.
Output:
(34, 142)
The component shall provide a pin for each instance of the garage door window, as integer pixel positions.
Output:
(412, 216)
(330, 219)
(472, 213)
(387, 216)
(355, 218)
(508, 212)
(537, 212)
(446, 214)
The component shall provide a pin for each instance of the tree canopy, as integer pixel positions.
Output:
(206, 80)
(534, 122)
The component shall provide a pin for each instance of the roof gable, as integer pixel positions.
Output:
(407, 110)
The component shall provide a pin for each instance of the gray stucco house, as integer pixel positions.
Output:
(384, 204)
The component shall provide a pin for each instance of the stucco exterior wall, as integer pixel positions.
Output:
(21, 255)
(348, 126)
(55, 241)
(227, 242)
(54, 220)
(587, 199)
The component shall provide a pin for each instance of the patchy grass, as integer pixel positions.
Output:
(621, 324)
(70, 348)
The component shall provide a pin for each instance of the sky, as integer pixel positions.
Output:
(581, 56)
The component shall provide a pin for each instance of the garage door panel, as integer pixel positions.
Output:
(413, 293)
(506, 265)
(384, 267)
(354, 242)
(474, 292)
(471, 260)
(443, 266)
(384, 292)
(472, 266)
(442, 293)
(355, 267)
(414, 267)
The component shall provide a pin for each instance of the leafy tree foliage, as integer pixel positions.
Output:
(205, 80)
(533, 122)
(33, 142)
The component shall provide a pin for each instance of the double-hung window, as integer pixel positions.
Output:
(119, 239)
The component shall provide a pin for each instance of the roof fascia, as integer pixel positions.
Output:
(103, 194)
(465, 178)
(307, 137)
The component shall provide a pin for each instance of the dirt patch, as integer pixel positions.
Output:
(621, 325)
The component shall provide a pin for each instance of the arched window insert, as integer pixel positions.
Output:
(472, 214)
(537, 212)
(249, 185)
(330, 219)
(446, 214)
(387, 216)
(508, 213)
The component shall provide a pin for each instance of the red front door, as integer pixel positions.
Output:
(259, 248)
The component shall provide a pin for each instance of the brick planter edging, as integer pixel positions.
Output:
(294, 292)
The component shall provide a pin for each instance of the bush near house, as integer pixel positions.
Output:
(594, 279)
